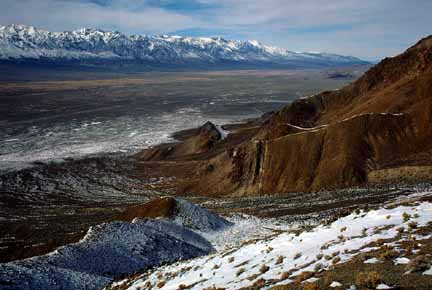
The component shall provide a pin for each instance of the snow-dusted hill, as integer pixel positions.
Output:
(19, 42)
(285, 258)
(107, 251)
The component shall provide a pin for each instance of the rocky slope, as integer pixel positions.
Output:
(376, 129)
(383, 248)
(92, 46)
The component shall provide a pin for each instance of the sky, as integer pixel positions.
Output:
(369, 29)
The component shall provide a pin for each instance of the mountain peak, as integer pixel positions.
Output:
(89, 45)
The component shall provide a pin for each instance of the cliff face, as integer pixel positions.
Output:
(337, 138)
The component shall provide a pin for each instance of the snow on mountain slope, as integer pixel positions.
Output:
(278, 260)
(19, 42)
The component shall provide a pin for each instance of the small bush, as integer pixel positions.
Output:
(285, 275)
(334, 254)
(258, 284)
(343, 229)
(400, 230)
(379, 242)
(304, 276)
(367, 279)
(406, 217)
(319, 256)
(297, 256)
(230, 259)
(416, 216)
(240, 271)
(388, 253)
(279, 260)
(336, 260)
(252, 277)
(160, 284)
(310, 286)
(418, 264)
(264, 268)
(318, 267)
(412, 225)
(364, 232)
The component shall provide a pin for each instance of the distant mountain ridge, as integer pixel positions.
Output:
(19, 42)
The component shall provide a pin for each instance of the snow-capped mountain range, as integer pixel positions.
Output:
(19, 42)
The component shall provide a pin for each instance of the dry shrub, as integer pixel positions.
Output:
(367, 279)
(336, 260)
(280, 260)
(230, 259)
(160, 284)
(379, 242)
(285, 275)
(264, 268)
(258, 284)
(406, 217)
(310, 286)
(387, 253)
(418, 264)
(318, 267)
(253, 277)
(334, 254)
(304, 276)
(412, 225)
(298, 255)
(240, 271)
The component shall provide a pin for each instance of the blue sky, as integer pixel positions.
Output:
(370, 29)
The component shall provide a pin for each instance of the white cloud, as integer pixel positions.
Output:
(60, 15)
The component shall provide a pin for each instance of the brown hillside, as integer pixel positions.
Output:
(334, 139)
(161, 207)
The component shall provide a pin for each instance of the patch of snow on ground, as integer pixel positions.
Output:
(383, 286)
(335, 284)
(224, 133)
(401, 261)
(371, 261)
(428, 272)
(244, 228)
